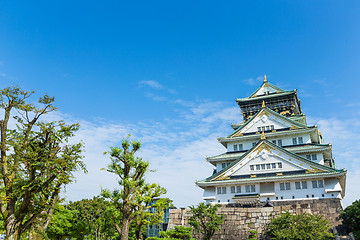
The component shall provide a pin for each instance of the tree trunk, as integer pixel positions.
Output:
(12, 230)
(124, 235)
(138, 232)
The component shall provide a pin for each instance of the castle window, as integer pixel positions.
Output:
(218, 190)
(307, 196)
(232, 189)
(257, 166)
(252, 167)
(274, 141)
(285, 186)
(235, 147)
(300, 140)
(312, 195)
(240, 147)
(279, 165)
(262, 166)
(259, 129)
(250, 188)
(313, 157)
(323, 195)
(254, 144)
(277, 198)
(223, 165)
(267, 128)
(308, 157)
(318, 184)
(268, 166)
(238, 189)
(273, 165)
(294, 141)
(301, 185)
(272, 127)
(223, 190)
(279, 142)
(263, 129)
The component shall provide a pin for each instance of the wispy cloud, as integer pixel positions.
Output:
(150, 83)
(344, 134)
(253, 81)
(155, 97)
(176, 148)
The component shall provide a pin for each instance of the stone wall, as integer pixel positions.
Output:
(238, 220)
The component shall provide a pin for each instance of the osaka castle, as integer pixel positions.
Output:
(273, 155)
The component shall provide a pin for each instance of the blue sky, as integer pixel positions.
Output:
(168, 72)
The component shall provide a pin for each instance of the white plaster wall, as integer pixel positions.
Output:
(286, 141)
(308, 193)
(319, 157)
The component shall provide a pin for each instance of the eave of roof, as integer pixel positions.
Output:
(256, 135)
(279, 148)
(292, 148)
(261, 97)
(272, 112)
(336, 173)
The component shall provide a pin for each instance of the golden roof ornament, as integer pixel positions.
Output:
(263, 136)
(265, 78)
(263, 104)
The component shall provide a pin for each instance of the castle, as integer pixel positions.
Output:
(273, 155)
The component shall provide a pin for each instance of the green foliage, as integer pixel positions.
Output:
(252, 235)
(180, 232)
(351, 217)
(61, 224)
(36, 161)
(84, 219)
(299, 227)
(205, 219)
(135, 195)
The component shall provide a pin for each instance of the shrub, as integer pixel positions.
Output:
(351, 217)
(299, 227)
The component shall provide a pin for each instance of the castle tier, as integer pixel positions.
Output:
(273, 155)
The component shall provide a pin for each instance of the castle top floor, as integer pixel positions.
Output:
(283, 102)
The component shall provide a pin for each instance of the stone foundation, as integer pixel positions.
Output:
(238, 220)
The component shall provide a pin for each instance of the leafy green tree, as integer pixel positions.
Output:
(351, 217)
(36, 160)
(62, 223)
(179, 232)
(95, 216)
(299, 227)
(84, 219)
(132, 200)
(205, 219)
(149, 211)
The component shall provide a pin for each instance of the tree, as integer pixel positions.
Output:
(205, 219)
(36, 160)
(179, 232)
(149, 211)
(299, 226)
(62, 223)
(84, 219)
(351, 217)
(133, 197)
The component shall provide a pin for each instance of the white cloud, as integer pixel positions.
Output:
(177, 149)
(253, 81)
(344, 136)
(150, 83)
